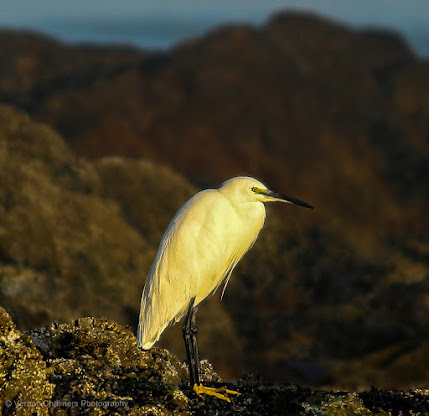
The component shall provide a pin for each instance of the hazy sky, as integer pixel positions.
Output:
(371, 10)
(410, 17)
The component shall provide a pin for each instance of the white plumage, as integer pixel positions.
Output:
(200, 248)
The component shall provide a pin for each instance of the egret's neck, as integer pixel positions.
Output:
(249, 212)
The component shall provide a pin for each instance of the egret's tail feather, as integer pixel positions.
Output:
(152, 322)
(160, 306)
(142, 340)
(145, 332)
(148, 333)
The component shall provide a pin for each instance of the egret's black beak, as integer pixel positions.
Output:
(288, 199)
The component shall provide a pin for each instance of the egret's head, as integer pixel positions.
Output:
(247, 189)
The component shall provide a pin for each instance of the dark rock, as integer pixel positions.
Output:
(94, 360)
(93, 365)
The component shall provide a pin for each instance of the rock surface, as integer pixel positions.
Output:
(92, 366)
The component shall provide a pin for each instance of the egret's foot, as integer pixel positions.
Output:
(199, 389)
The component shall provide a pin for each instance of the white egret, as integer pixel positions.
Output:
(203, 243)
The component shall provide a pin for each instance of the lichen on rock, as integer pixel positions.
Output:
(93, 366)
(97, 361)
(23, 375)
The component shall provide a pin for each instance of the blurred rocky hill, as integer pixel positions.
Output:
(297, 98)
(334, 116)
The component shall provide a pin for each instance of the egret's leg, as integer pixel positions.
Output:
(191, 345)
(194, 344)
(190, 337)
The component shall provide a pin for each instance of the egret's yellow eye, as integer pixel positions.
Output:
(255, 190)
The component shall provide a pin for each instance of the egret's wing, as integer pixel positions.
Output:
(167, 292)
